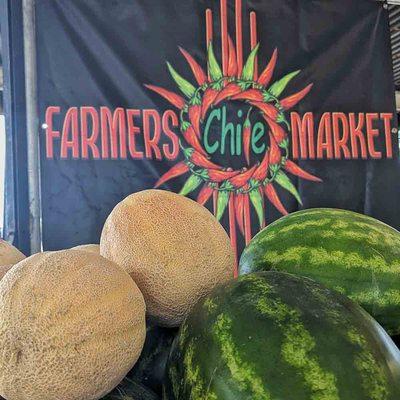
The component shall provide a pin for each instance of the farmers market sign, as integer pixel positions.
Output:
(231, 129)
(115, 134)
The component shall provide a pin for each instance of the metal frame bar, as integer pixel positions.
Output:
(16, 214)
(32, 125)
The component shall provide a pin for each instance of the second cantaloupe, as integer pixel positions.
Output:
(174, 249)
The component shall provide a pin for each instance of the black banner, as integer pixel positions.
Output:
(253, 108)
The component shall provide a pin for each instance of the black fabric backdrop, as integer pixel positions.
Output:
(102, 52)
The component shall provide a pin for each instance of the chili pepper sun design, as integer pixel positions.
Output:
(235, 190)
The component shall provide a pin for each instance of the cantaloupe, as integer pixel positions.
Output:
(72, 324)
(174, 249)
(9, 254)
(3, 270)
(92, 248)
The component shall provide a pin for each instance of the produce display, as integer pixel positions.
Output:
(92, 248)
(173, 248)
(154, 311)
(72, 324)
(9, 255)
(354, 254)
(277, 336)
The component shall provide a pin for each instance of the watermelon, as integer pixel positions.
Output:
(354, 254)
(396, 340)
(130, 390)
(150, 368)
(272, 335)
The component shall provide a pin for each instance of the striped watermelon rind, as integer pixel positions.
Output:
(272, 336)
(150, 367)
(352, 253)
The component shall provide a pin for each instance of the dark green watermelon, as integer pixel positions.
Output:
(352, 253)
(396, 340)
(275, 336)
(130, 390)
(150, 368)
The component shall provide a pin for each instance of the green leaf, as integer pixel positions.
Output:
(185, 87)
(223, 200)
(283, 180)
(191, 184)
(284, 144)
(267, 96)
(278, 87)
(203, 173)
(213, 66)
(185, 125)
(282, 119)
(257, 201)
(188, 152)
(248, 70)
(217, 85)
(244, 85)
(196, 100)
(274, 168)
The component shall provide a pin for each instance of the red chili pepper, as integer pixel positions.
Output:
(272, 196)
(239, 211)
(191, 138)
(208, 99)
(294, 169)
(275, 155)
(261, 191)
(247, 220)
(177, 170)
(232, 59)
(249, 95)
(173, 98)
(194, 116)
(219, 176)
(198, 72)
(215, 201)
(232, 232)
(230, 90)
(247, 140)
(266, 76)
(262, 170)
(243, 178)
(268, 109)
(204, 195)
(277, 131)
(291, 101)
(201, 161)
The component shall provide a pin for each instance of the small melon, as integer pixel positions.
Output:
(174, 249)
(72, 325)
(92, 248)
(3, 270)
(9, 254)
